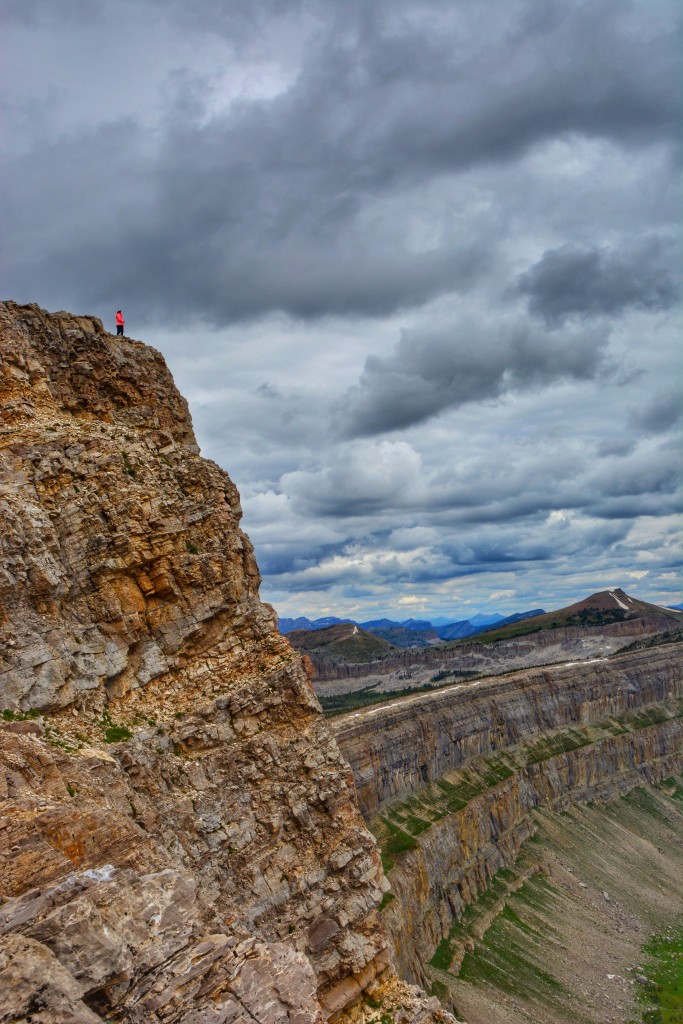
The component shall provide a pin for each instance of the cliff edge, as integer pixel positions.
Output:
(180, 838)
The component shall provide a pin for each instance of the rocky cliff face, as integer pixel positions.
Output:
(180, 838)
(396, 749)
(450, 781)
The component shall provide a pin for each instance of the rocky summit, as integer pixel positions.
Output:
(180, 837)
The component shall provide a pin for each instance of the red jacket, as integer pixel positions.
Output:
(119, 319)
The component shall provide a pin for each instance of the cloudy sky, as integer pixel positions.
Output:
(414, 263)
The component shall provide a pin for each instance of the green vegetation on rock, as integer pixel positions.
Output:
(395, 841)
(672, 636)
(341, 703)
(662, 996)
(386, 900)
(117, 733)
(505, 958)
(19, 716)
(455, 790)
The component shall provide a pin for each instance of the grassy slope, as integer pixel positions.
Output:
(342, 642)
(661, 998)
(594, 900)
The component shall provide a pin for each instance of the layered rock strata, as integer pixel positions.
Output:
(180, 838)
(397, 748)
(449, 781)
(546, 646)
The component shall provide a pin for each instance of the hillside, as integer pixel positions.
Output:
(343, 642)
(596, 613)
(405, 636)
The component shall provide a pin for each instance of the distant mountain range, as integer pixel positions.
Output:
(412, 632)
(353, 642)
(287, 625)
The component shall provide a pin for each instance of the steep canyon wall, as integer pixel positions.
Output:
(449, 781)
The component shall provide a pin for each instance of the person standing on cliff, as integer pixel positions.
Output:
(119, 322)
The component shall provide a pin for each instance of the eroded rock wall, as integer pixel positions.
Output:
(459, 774)
(180, 838)
(398, 748)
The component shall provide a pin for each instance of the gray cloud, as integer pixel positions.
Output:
(276, 203)
(451, 222)
(581, 280)
(659, 413)
(364, 479)
(470, 362)
(28, 12)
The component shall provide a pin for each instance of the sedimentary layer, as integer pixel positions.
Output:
(396, 748)
(449, 781)
(180, 836)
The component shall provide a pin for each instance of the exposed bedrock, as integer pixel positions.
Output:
(180, 839)
(449, 781)
(398, 748)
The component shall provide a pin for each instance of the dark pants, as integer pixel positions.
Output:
(119, 328)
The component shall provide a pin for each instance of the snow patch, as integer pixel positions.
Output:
(102, 874)
(620, 603)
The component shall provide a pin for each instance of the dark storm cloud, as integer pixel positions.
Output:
(296, 555)
(580, 280)
(240, 225)
(275, 204)
(428, 373)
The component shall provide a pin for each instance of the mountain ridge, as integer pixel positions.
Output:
(395, 631)
(602, 609)
(609, 613)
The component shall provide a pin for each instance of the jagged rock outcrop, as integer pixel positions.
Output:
(449, 780)
(180, 839)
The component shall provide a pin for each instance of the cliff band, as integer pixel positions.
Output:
(450, 780)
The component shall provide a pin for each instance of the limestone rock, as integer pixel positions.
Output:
(180, 838)
(403, 746)
(503, 747)
(35, 987)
